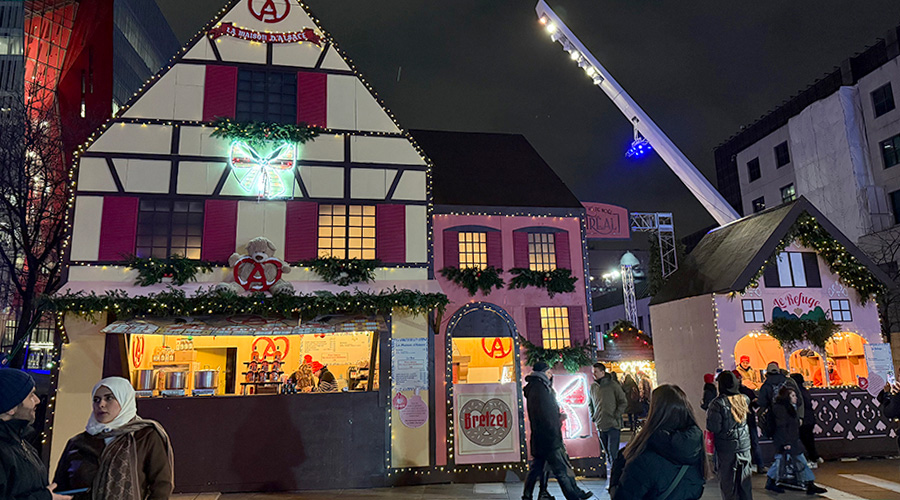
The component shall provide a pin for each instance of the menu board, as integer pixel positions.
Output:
(409, 364)
(337, 348)
(881, 366)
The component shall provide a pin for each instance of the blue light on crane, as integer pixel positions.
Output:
(639, 147)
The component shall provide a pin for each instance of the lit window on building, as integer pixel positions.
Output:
(472, 250)
(759, 204)
(788, 193)
(167, 227)
(890, 151)
(555, 327)
(541, 252)
(347, 231)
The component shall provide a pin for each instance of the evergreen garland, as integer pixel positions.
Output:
(174, 302)
(789, 331)
(180, 269)
(256, 133)
(559, 280)
(474, 279)
(572, 357)
(850, 271)
(343, 272)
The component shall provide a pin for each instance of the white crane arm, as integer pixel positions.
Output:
(699, 186)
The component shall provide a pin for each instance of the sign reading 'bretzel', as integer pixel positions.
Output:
(485, 423)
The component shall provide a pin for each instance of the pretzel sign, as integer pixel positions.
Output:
(256, 281)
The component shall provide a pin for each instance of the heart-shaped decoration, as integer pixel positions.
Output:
(880, 426)
(485, 423)
(834, 403)
(856, 402)
(817, 429)
(815, 404)
(844, 394)
(838, 428)
(860, 427)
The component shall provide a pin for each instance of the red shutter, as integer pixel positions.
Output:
(533, 331)
(563, 254)
(390, 233)
(219, 230)
(494, 249)
(220, 92)
(451, 248)
(520, 249)
(301, 232)
(576, 325)
(312, 98)
(118, 227)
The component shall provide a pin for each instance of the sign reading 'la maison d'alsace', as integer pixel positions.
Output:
(606, 222)
(229, 29)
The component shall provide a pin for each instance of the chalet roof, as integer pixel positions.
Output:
(491, 169)
(728, 257)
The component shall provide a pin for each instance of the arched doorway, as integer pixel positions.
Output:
(485, 387)
(762, 349)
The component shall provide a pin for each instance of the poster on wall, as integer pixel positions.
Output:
(881, 367)
(486, 423)
(409, 364)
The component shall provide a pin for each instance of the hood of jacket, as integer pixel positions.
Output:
(775, 379)
(536, 379)
(15, 430)
(679, 446)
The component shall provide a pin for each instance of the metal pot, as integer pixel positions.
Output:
(144, 380)
(175, 380)
(206, 379)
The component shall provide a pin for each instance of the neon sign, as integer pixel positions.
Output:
(574, 395)
(262, 174)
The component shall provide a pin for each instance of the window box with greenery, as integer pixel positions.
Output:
(474, 279)
(176, 269)
(559, 280)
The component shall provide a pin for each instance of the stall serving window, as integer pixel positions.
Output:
(483, 360)
(186, 364)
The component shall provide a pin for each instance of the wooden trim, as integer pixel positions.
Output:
(217, 193)
(115, 175)
(269, 51)
(259, 66)
(395, 183)
(322, 55)
(214, 49)
(173, 171)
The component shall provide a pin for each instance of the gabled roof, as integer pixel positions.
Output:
(491, 169)
(728, 257)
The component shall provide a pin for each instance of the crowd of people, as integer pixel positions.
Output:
(119, 456)
(668, 458)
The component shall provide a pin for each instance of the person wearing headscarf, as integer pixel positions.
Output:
(120, 456)
(727, 420)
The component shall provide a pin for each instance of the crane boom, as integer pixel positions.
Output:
(699, 186)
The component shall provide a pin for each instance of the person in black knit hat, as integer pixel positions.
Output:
(23, 475)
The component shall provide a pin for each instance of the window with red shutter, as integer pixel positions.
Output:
(312, 98)
(533, 331)
(118, 227)
(451, 248)
(494, 249)
(390, 233)
(577, 330)
(219, 230)
(563, 252)
(301, 231)
(220, 92)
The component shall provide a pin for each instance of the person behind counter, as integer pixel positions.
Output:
(302, 379)
(117, 444)
(327, 383)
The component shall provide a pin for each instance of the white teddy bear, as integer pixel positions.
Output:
(258, 270)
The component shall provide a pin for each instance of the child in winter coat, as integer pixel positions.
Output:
(787, 443)
(727, 420)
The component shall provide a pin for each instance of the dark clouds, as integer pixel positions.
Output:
(701, 69)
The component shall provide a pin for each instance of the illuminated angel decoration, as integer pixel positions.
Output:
(262, 173)
(574, 395)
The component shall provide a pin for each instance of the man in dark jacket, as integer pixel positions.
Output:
(607, 405)
(774, 380)
(22, 474)
(547, 445)
(808, 423)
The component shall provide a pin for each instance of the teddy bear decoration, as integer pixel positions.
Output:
(258, 270)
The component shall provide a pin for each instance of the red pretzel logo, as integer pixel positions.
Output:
(137, 350)
(256, 281)
(497, 349)
(271, 350)
(269, 12)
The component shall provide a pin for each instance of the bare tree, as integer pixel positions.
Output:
(34, 197)
(884, 249)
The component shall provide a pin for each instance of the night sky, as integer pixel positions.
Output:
(701, 69)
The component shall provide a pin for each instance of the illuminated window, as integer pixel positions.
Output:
(759, 204)
(890, 151)
(541, 252)
(840, 310)
(788, 193)
(347, 231)
(473, 250)
(753, 311)
(555, 327)
(167, 227)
